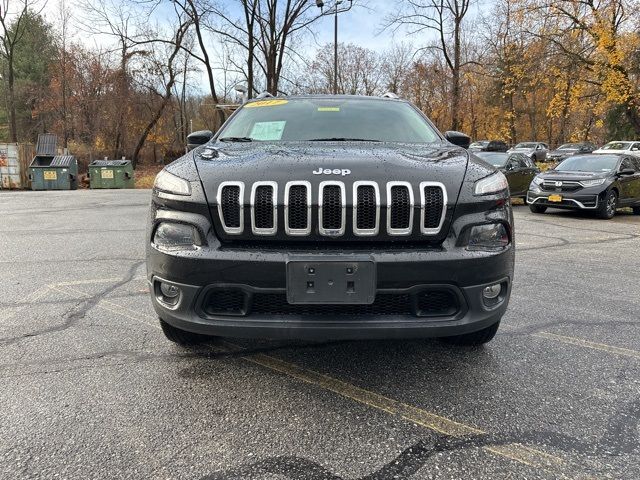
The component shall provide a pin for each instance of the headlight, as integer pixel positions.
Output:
(494, 183)
(171, 235)
(592, 183)
(488, 237)
(169, 183)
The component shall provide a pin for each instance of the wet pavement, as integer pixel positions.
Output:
(90, 388)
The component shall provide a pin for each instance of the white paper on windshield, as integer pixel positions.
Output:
(268, 130)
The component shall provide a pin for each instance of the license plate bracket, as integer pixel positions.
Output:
(331, 281)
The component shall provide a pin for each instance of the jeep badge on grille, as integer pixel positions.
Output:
(335, 171)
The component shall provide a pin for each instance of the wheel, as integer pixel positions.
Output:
(524, 200)
(607, 208)
(181, 337)
(636, 210)
(474, 338)
(537, 208)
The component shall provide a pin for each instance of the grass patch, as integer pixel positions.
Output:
(146, 174)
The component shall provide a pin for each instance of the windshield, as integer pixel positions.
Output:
(569, 146)
(497, 159)
(526, 145)
(328, 119)
(591, 163)
(616, 146)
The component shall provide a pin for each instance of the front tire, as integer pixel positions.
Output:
(607, 208)
(537, 208)
(474, 339)
(181, 337)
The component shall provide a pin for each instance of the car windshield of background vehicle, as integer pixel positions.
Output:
(315, 119)
(495, 159)
(616, 146)
(569, 146)
(526, 145)
(595, 163)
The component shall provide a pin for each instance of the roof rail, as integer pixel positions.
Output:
(390, 95)
(264, 94)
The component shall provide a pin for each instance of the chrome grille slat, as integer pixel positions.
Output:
(400, 194)
(331, 209)
(363, 216)
(264, 208)
(230, 197)
(433, 207)
(297, 208)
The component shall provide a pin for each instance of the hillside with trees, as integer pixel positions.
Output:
(110, 79)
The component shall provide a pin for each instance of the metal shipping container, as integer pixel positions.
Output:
(9, 166)
(111, 174)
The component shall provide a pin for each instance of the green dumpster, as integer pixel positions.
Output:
(111, 174)
(59, 172)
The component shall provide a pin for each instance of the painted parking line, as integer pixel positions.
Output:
(514, 451)
(580, 342)
(32, 297)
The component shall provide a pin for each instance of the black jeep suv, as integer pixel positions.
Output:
(601, 183)
(330, 217)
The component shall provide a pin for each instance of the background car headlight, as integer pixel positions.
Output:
(592, 183)
(169, 183)
(538, 180)
(494, 183)
(488, 237)
(175, 235)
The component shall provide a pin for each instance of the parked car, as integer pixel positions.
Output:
(623, 147)
(330, 217)
(601, 183)
(489, 146)
(517, 167)
(536, 151)
(568, 149)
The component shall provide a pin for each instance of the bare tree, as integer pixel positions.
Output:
(13, 29)
(445, 18)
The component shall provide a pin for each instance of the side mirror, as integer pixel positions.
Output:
(458, 138)
(627, 171)
(196, 139)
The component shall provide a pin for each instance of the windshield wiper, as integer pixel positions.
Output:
(343, 139)
(236, 139)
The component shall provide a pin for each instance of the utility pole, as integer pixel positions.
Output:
(335, 11)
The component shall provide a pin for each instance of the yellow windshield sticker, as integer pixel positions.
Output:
(266, 103)
(328, 109)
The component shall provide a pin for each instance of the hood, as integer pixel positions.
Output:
(575, 176)
(521, 150)
(316, 162)
(372, 161)
(562, 153)
(600, 150)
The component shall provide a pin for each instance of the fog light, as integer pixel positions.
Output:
(168, 290)
(492, 291)
(168, 293)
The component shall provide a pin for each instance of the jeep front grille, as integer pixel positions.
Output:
(363, 203)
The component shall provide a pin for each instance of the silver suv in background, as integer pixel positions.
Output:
(536, 151)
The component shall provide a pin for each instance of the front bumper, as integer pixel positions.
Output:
(401, 274)
(570, 200)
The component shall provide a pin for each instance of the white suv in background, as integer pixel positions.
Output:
(624, 147)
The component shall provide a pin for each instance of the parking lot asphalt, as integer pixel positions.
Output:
(89, 387)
